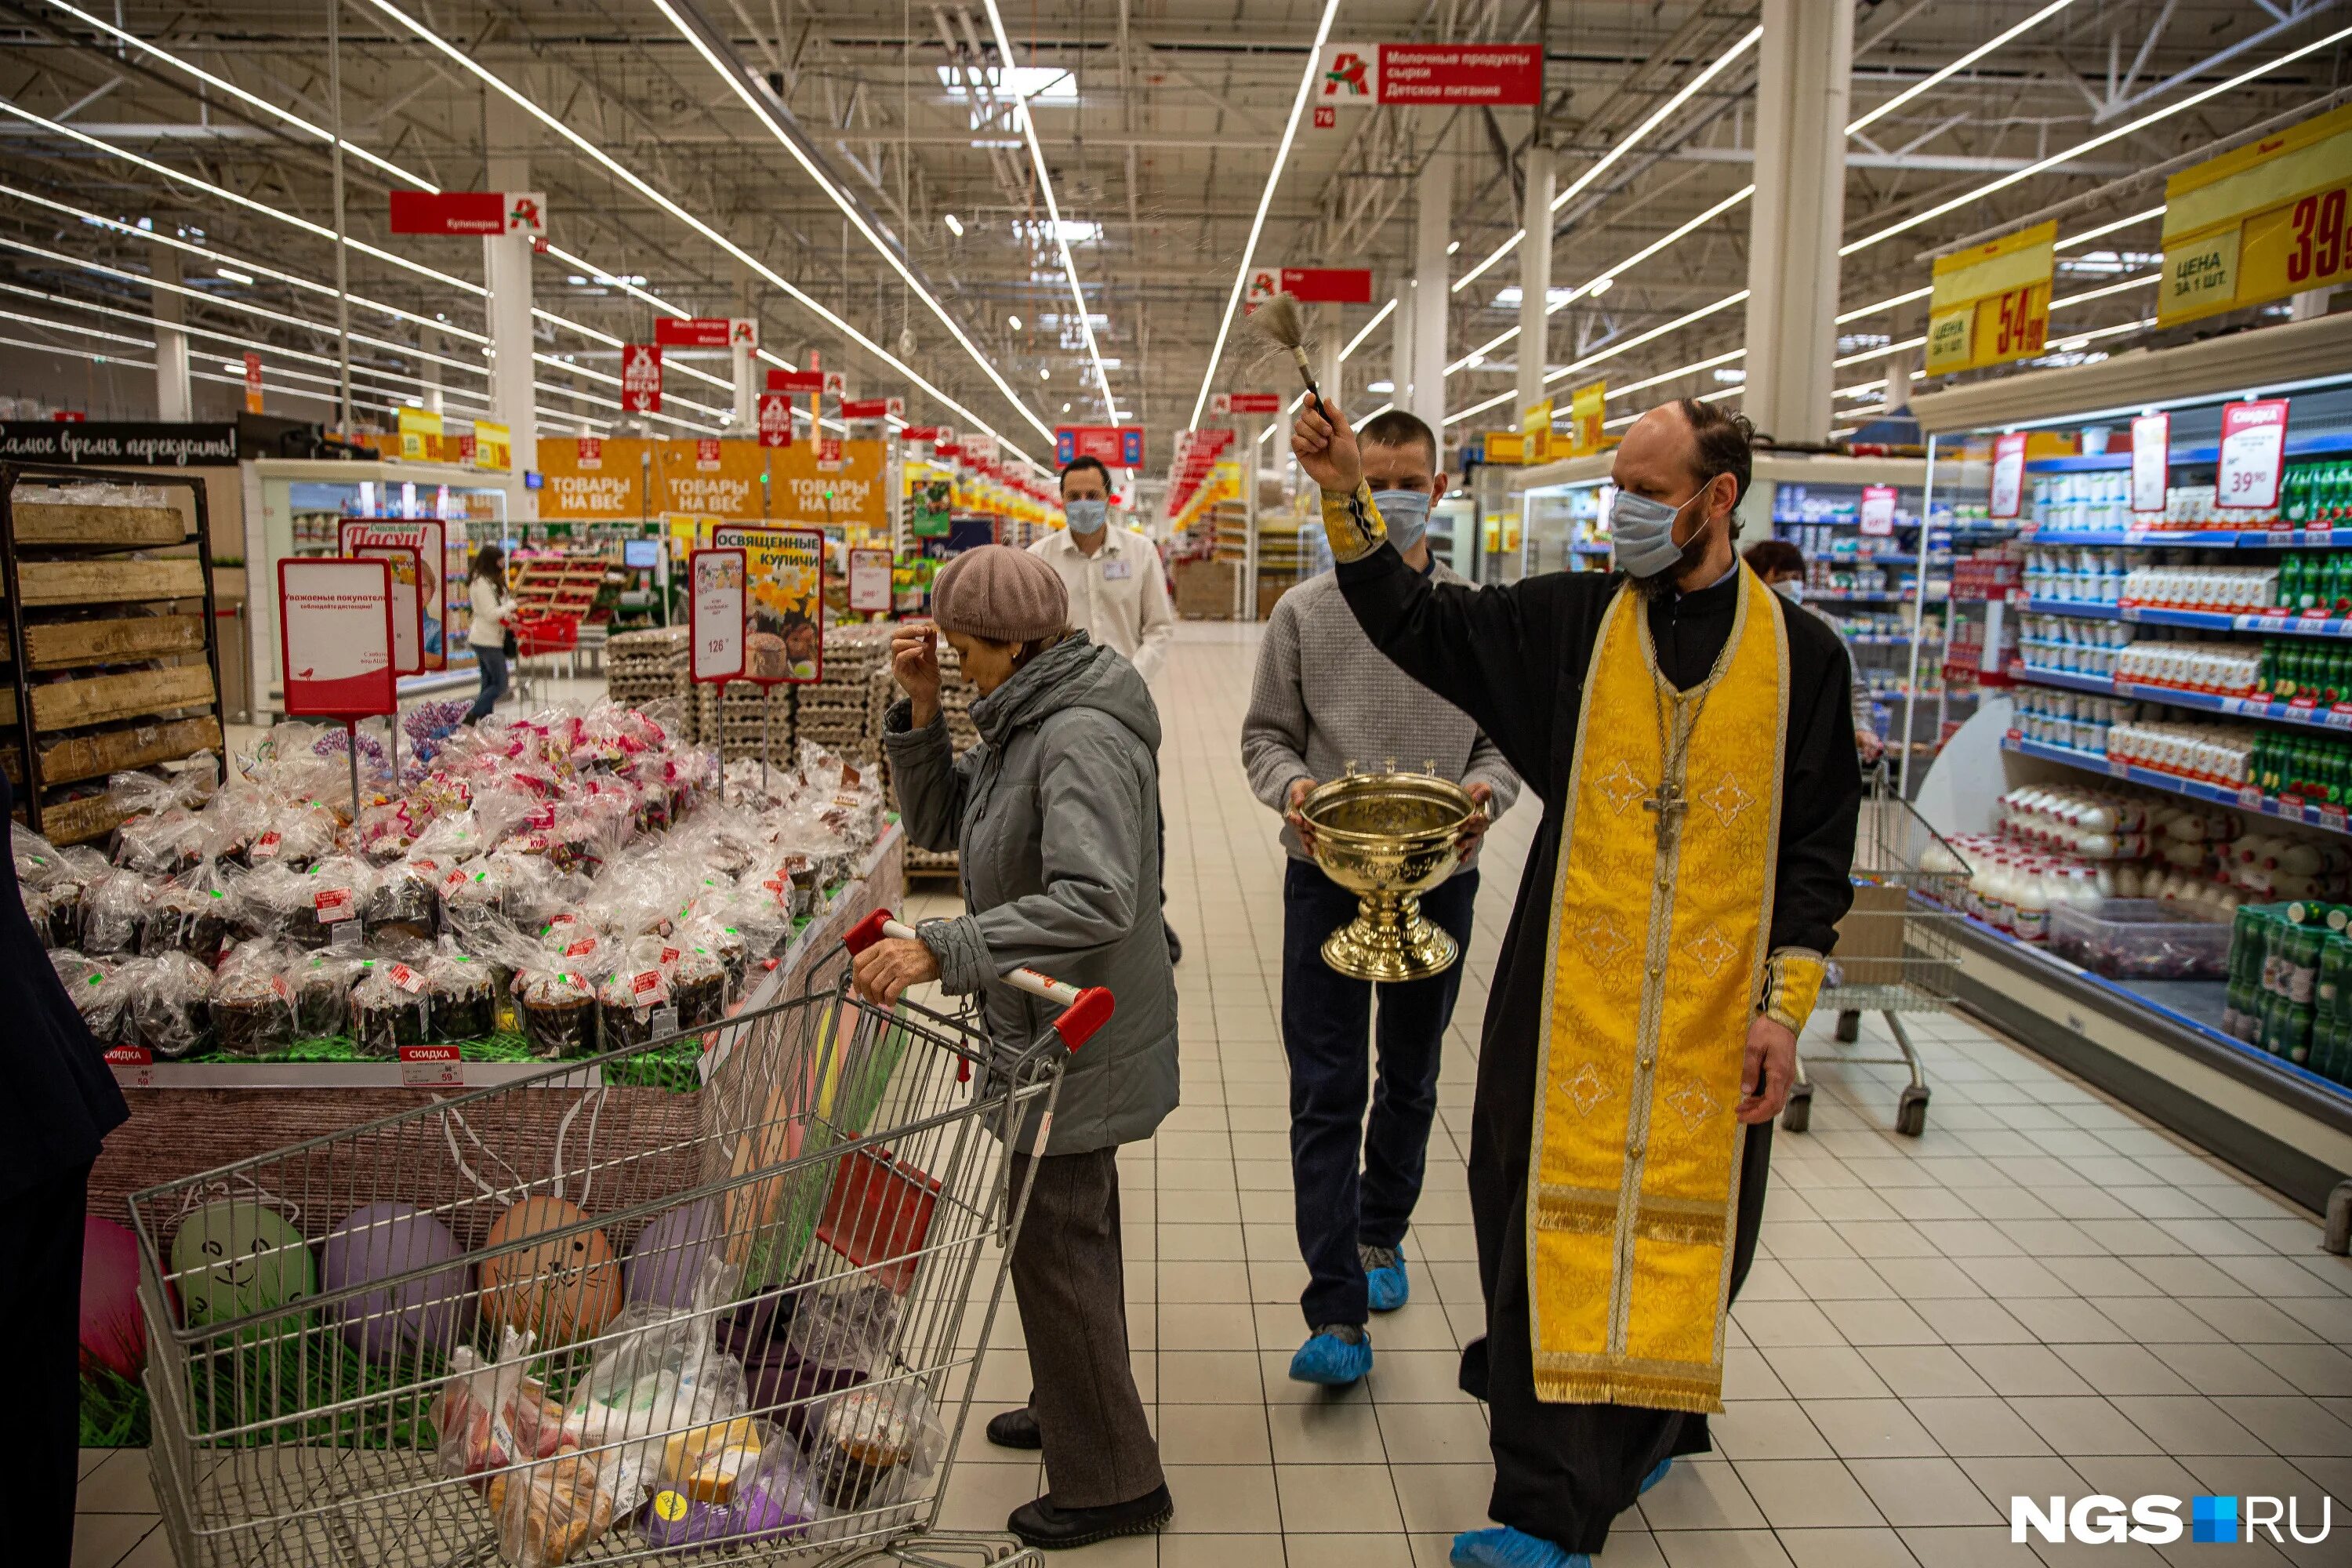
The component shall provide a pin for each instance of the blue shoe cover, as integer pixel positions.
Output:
(1508, 1547)
(1386, 1285)
(1654, 1477)
(1329, 1360)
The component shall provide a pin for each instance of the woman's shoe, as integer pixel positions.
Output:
(1335, 1355)
(1015, 1429)
(1385, 1284)
(1051, 1528)
(1509, 1548)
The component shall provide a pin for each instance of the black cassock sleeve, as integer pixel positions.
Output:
(1497, 653)
(1820, 797)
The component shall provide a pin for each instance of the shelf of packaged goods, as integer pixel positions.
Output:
(1861, 596)
(2292, 538)
(2270, 623)
(2325, 445)
(1884, 639)
(2337, 718)
(2329, 818)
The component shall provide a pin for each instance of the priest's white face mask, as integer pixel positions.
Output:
(1661, 521)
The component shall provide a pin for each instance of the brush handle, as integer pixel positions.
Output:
(1314, 393)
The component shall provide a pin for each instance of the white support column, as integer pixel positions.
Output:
(429, 369)
(1431, 223)
(745, 364)
(505, 267)
(1803, 64)
(1535, 283)
(174, 402)
(1400, 347)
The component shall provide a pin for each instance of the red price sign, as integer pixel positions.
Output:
(2151, 458)
(2317, 249)
(2253, 452)
(2023, 321)
(716, 612)
(1878, 510)
(2008, 496)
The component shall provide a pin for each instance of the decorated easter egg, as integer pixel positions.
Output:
(113, 1329)
(235, 1257)
(379, 1243)
(563, 1289)
(668, 1256)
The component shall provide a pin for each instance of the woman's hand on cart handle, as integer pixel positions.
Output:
(914, 665)
(1084, 1011)
(883, 972)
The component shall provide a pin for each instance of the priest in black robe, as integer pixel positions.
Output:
(1690, 736)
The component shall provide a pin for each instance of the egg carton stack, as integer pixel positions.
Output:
(643, 668)
(836, 711)
(956, 697)
(729, 717)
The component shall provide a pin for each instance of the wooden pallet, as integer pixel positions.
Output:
(115, 527)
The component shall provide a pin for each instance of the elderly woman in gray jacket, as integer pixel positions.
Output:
(1054, 820)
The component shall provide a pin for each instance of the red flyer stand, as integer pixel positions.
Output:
(335, 644)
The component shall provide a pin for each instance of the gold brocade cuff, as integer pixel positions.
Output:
(1352, 523)
(1793, 979)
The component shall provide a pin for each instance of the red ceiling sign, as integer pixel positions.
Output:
(692, 331)
(796, 381)
(470, 212)
(1114, 445)
(775, 419)
(640, 378)
(1460, 73)
(1329, 285)
(873, 408)
(1254, 402)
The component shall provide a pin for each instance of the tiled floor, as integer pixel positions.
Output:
(2042, 1295)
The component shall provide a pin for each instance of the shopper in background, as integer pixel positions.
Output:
(1324, 697)
(61, 1101)
(1693, 746)
(1782, 566)
(486, 591)
(1054, 818)
(1118, 592)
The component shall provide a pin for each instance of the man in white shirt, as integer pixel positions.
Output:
(1119, 595)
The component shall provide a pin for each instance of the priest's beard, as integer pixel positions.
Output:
(1658, 584)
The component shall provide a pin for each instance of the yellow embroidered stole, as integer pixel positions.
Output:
(1660, 920)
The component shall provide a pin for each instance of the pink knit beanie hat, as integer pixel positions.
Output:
(1001, 593)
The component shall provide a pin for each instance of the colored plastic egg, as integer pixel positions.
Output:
(667, 1260)
(564, 1288)
(235, 1258)
(379, 1243)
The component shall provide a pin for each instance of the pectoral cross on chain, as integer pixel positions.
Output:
(1669, 802)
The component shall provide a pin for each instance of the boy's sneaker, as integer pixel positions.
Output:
(1335, 1355)
(1385, 1285)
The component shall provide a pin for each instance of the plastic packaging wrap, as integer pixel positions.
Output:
(321, 982)
(628, 997)
(37, 858)
(78, 870)
(869, 1446)
(114, 910)
(699, 985)
(390, 1007)
(777, 1501)
(273, 899)
(340, 887)
(556, 1010)
(252, 1003)
(462, 990)
(406, 899)
(297, 835)
(233, 820)
(96, 992)
(493, 1418)
(194, 914)
(170, 1012)
(665, 1406)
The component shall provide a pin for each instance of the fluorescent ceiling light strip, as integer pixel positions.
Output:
(2041, 165)
(596, 336)
(221, 84)
(1632, 139)
(1696, 366)
(230, 301)
(601, 402)
(1599, 279)
(1966, 60)
(1264, 200)
(1385, 311)
(1859, 312)
(71, 327)
(587, 373)
(264, 269)
(2089, 234)
(77, 353)
(165, 171)
(1053, 209)
(1881, 352)
(1611, 351)
(742, 88)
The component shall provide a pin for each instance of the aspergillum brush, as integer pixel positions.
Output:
(1279, 320)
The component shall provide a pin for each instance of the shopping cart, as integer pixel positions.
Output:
(708, 1294)
(1898, 949)
(544, 636)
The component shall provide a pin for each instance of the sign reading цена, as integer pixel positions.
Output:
(334, 629)
(2008, 492)
(2151, 454)
(715, 608)
(2260, 222)
(470, 212)
(640, 378)
(2253, 450)
(1429, 73)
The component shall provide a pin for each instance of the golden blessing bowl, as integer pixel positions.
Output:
(1388, 838)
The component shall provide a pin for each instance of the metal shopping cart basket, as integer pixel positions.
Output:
(545, 637)
(726, 1291)
(1898, 949)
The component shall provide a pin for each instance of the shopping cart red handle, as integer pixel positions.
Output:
(1084, 1011)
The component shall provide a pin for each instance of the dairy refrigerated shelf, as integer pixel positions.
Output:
(2309, 717)
(2327, 819)
(2270, 623)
